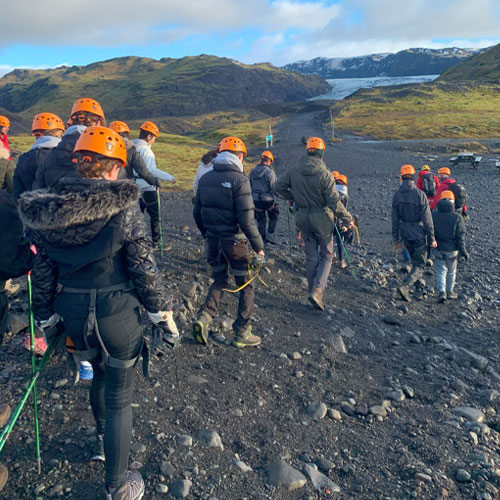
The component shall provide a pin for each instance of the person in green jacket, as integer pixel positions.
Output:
(311, 185)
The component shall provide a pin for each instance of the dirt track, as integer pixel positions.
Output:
(257, 399)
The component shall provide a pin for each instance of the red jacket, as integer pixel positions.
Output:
(420, 183)
(444, 186)
(4, 139)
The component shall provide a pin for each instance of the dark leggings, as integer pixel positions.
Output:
(111, 389)
(149, 202)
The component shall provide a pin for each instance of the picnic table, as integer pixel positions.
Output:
(469, 158)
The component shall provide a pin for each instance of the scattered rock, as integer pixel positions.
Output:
(184, 440)
(18, 323)
(389, 319)
(317, 411)
(210, 438)
(338, 344)
(296, 356)
(334, 414)
(408, 391)
(463, 476)
(324, 464)
(137, 448)
(348, 409)
(161, 488)
(319, 480)
(181, 488)
(471, 414)
(196, 380)
(188, 289)
(397, 395)
(5, 413)
(167, 469)
(242, 466)
(378, 411)
(425, 478)
(347, 332)
(279, 473)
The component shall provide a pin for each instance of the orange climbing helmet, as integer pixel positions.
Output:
(151, 128)
(342, 179)
(4, 121)
(267, 154)
(407, 170)
(119, 127)
(335, 174)
(86, 104)
(447, 195)
(47, 121)
(103, 141)
(315, 143)
(234, 144)
(444, 170)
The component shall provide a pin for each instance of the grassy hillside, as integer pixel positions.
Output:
(484, 67)
(137, 88)
(425, 111)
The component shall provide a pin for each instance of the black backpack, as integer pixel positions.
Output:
(460, 194)
(429, 185)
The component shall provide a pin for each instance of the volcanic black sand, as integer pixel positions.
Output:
(392, 429)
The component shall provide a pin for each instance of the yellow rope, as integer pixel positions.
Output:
(256, 275)
(357, 233)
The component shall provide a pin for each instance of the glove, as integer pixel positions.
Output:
(50, 327)
(164, 332)
(465, 256)
(157, 182)
(260, 260)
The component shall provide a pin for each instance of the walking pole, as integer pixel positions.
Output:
(347, 254)
(33, 371)
(158, 200)
(15, 414)
(289, 230)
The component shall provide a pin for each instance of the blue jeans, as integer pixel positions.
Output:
(446, 270)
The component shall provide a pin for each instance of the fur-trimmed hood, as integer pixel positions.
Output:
(75, 210)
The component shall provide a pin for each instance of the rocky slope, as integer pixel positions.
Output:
(136, 88)
(411, 62)
(373, 399)
(483, 67)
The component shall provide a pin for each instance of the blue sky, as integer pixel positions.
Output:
(280, 31)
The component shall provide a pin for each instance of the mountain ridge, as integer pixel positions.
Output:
(410, 62)
(133, 87)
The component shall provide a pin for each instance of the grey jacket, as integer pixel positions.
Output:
(411, 215)
(262, 179)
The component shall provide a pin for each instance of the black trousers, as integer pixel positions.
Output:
(111, 389)
(263, 211)
(4, 308)
(418, 254)
(225, 254)
(149, 202)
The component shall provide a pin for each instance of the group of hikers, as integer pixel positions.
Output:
(75, 222)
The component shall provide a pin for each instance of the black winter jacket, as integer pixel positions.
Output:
(449, 228)
(411, 215)
(90, 234)
(16, 258)
(27, 166)
(224, 206)
(136, 164)
(57, 163)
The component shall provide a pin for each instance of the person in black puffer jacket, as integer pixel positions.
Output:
(262, 179)
(48, 129)
(94, 268)
(224, 213)
(412, 225)
(59, 162)
(449, 229)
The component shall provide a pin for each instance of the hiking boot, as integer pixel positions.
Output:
(342, 264)
(40, 344)
(5, 413)
(442, 298)
(405, 268)
(316, 298)
(4, 476)
(12, 288)
(245, 338)
(200, 328)
(98, 450)
(452, 295)
(404, 292)
(133, 489)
